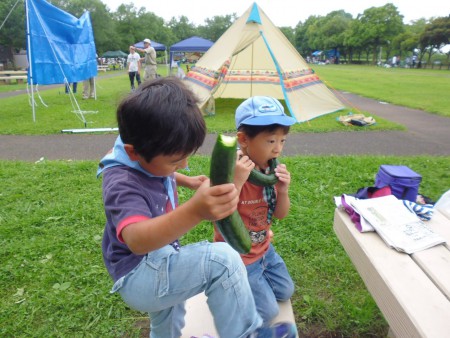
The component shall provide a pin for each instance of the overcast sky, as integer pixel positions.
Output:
(282, 12)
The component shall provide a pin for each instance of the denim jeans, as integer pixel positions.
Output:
(165, 278)
(133, 75)
(270, 282)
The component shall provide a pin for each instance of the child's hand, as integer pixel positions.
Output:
(284, 178)
(191, 182)
(244, 166)
(217, 202)
(194, 182)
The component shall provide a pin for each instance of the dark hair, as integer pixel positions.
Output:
(161, 117)
(252, 131)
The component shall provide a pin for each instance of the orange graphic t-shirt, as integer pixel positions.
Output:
(253, 210)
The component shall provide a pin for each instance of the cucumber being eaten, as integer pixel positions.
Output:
(256, 177)
(223, 162)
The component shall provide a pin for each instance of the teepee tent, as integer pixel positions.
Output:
(253, 57)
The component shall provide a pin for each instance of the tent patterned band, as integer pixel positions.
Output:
(294, 80)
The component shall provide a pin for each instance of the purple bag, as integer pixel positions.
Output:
(403, 181)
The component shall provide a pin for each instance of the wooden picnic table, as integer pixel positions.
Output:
(412, 291)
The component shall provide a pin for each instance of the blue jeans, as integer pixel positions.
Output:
(270, 282)
(165, 278)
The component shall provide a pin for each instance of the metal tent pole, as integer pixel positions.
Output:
(30, 63)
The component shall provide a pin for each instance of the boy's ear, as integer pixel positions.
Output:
(131, 152)
(242, 139)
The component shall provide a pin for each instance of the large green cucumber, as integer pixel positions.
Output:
(223, 162)
(258, 178)
(235, 233)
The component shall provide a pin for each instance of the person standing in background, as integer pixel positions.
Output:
(74, 88)
(149, 60)
(89, 88)
(133, 62)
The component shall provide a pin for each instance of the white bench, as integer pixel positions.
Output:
(199, 320)
(412, 291)
(102, 68)
(7, 75)
(7, 79)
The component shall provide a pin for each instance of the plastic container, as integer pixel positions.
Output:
(443, 204)
(403, 181)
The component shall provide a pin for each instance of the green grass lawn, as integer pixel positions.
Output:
(53, 280)
(416, 88)
(54, 283)
(424, 89)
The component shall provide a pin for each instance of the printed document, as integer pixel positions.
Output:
(396, 225)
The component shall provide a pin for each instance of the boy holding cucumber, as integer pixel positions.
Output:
(262, 128)
(160, 126)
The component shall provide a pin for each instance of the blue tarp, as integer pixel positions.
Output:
(158, 46)
(190, 45)
(60, 47)
(333, 53)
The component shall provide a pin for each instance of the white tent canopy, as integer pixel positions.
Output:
(253, 57)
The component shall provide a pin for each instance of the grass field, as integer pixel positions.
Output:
(53, 280)
(54, 283)
(415, 88)
(424, 89)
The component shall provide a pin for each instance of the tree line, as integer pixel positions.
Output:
(377, 33)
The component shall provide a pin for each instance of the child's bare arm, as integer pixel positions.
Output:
(208, 203)
(191, 182)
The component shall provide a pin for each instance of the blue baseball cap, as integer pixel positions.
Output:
(262, 111)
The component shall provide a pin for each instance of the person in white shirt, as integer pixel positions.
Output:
(133, 62)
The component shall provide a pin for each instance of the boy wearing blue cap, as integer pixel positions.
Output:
(262, 128)
(160, 126)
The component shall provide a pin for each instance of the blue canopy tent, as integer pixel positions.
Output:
(159, 47)
(190, 45)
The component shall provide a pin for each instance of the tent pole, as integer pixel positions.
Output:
(277, 65)
(165, 59)
(30, 63)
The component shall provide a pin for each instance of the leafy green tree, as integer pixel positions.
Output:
(353, 40)
(315, 41)
(289, 33)
(12, 21)
(153, 27)
(303, 37)
(182, 28)
(127, 28)
(410, 37)
(435, 35)
(379, 25)
(101, 18)
(216, 26)
(331, 30)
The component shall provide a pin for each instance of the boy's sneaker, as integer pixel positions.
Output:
(278, 330)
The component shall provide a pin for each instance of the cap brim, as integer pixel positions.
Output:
(267, 120)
